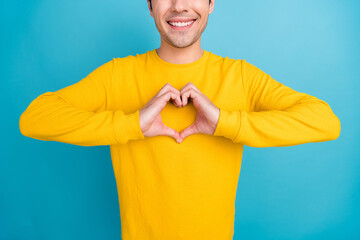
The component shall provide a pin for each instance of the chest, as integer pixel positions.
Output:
(133, 91)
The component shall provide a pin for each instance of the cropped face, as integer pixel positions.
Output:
(181, 22)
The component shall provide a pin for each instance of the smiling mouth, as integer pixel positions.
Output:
(181, 25)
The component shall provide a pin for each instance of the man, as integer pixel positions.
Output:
(177, 165)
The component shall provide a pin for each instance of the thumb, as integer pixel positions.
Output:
(188, 131)
(168, 131)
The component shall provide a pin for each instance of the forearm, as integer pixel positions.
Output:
(51, 118)
(303, 123)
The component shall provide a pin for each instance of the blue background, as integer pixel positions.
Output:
(52, 190)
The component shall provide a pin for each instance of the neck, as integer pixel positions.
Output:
(176, 55)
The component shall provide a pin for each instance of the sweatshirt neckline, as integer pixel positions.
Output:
(196, 63)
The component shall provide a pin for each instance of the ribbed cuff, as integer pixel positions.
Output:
(127, 127)
(229, 124)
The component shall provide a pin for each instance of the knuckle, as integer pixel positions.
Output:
(165, 87)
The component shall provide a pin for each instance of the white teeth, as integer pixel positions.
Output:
(181, 24)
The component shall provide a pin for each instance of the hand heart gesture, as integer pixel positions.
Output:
(207, 115)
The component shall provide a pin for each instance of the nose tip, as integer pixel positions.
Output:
(180, 5)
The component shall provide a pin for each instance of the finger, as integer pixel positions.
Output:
(188, 86)
(170, 94)
(177, 102)
(184, 98)
(188, 94)
(164, 89)
(188, 131)
(184, 87)
(167, 87)
(176, 98)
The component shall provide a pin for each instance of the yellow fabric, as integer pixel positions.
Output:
(168, 190)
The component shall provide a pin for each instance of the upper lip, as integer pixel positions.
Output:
(181, 20)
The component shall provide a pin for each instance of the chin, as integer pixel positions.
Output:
(182, 44)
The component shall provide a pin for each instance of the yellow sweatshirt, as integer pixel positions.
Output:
(171, 191)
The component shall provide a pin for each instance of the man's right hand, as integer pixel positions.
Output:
(150, 118)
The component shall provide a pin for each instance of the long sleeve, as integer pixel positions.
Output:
(276, 115)
(77, 114)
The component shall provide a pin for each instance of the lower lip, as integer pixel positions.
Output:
(182, 28)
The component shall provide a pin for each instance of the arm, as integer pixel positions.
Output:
(276, 115)
(77, 114)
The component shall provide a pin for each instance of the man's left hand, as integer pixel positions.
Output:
(207, 113)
